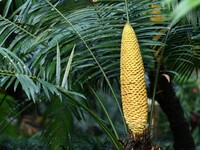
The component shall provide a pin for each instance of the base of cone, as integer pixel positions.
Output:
(139, 142)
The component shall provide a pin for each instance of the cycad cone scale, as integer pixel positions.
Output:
(133, 87)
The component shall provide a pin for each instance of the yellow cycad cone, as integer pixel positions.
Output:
(133, 87)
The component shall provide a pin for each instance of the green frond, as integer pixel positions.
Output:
(57, 133)
(180, 53)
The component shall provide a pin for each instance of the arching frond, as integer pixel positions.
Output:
(181, 54)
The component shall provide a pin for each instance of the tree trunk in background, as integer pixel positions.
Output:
(171, 106)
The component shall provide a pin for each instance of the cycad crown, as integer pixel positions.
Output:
(133, 87)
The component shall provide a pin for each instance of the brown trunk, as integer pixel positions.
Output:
(171, 106)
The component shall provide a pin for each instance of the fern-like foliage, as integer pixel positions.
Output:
(59, 125)
(42, 28)
(55, 51)
(181, 53)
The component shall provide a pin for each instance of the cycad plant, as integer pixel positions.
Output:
(66, 54)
